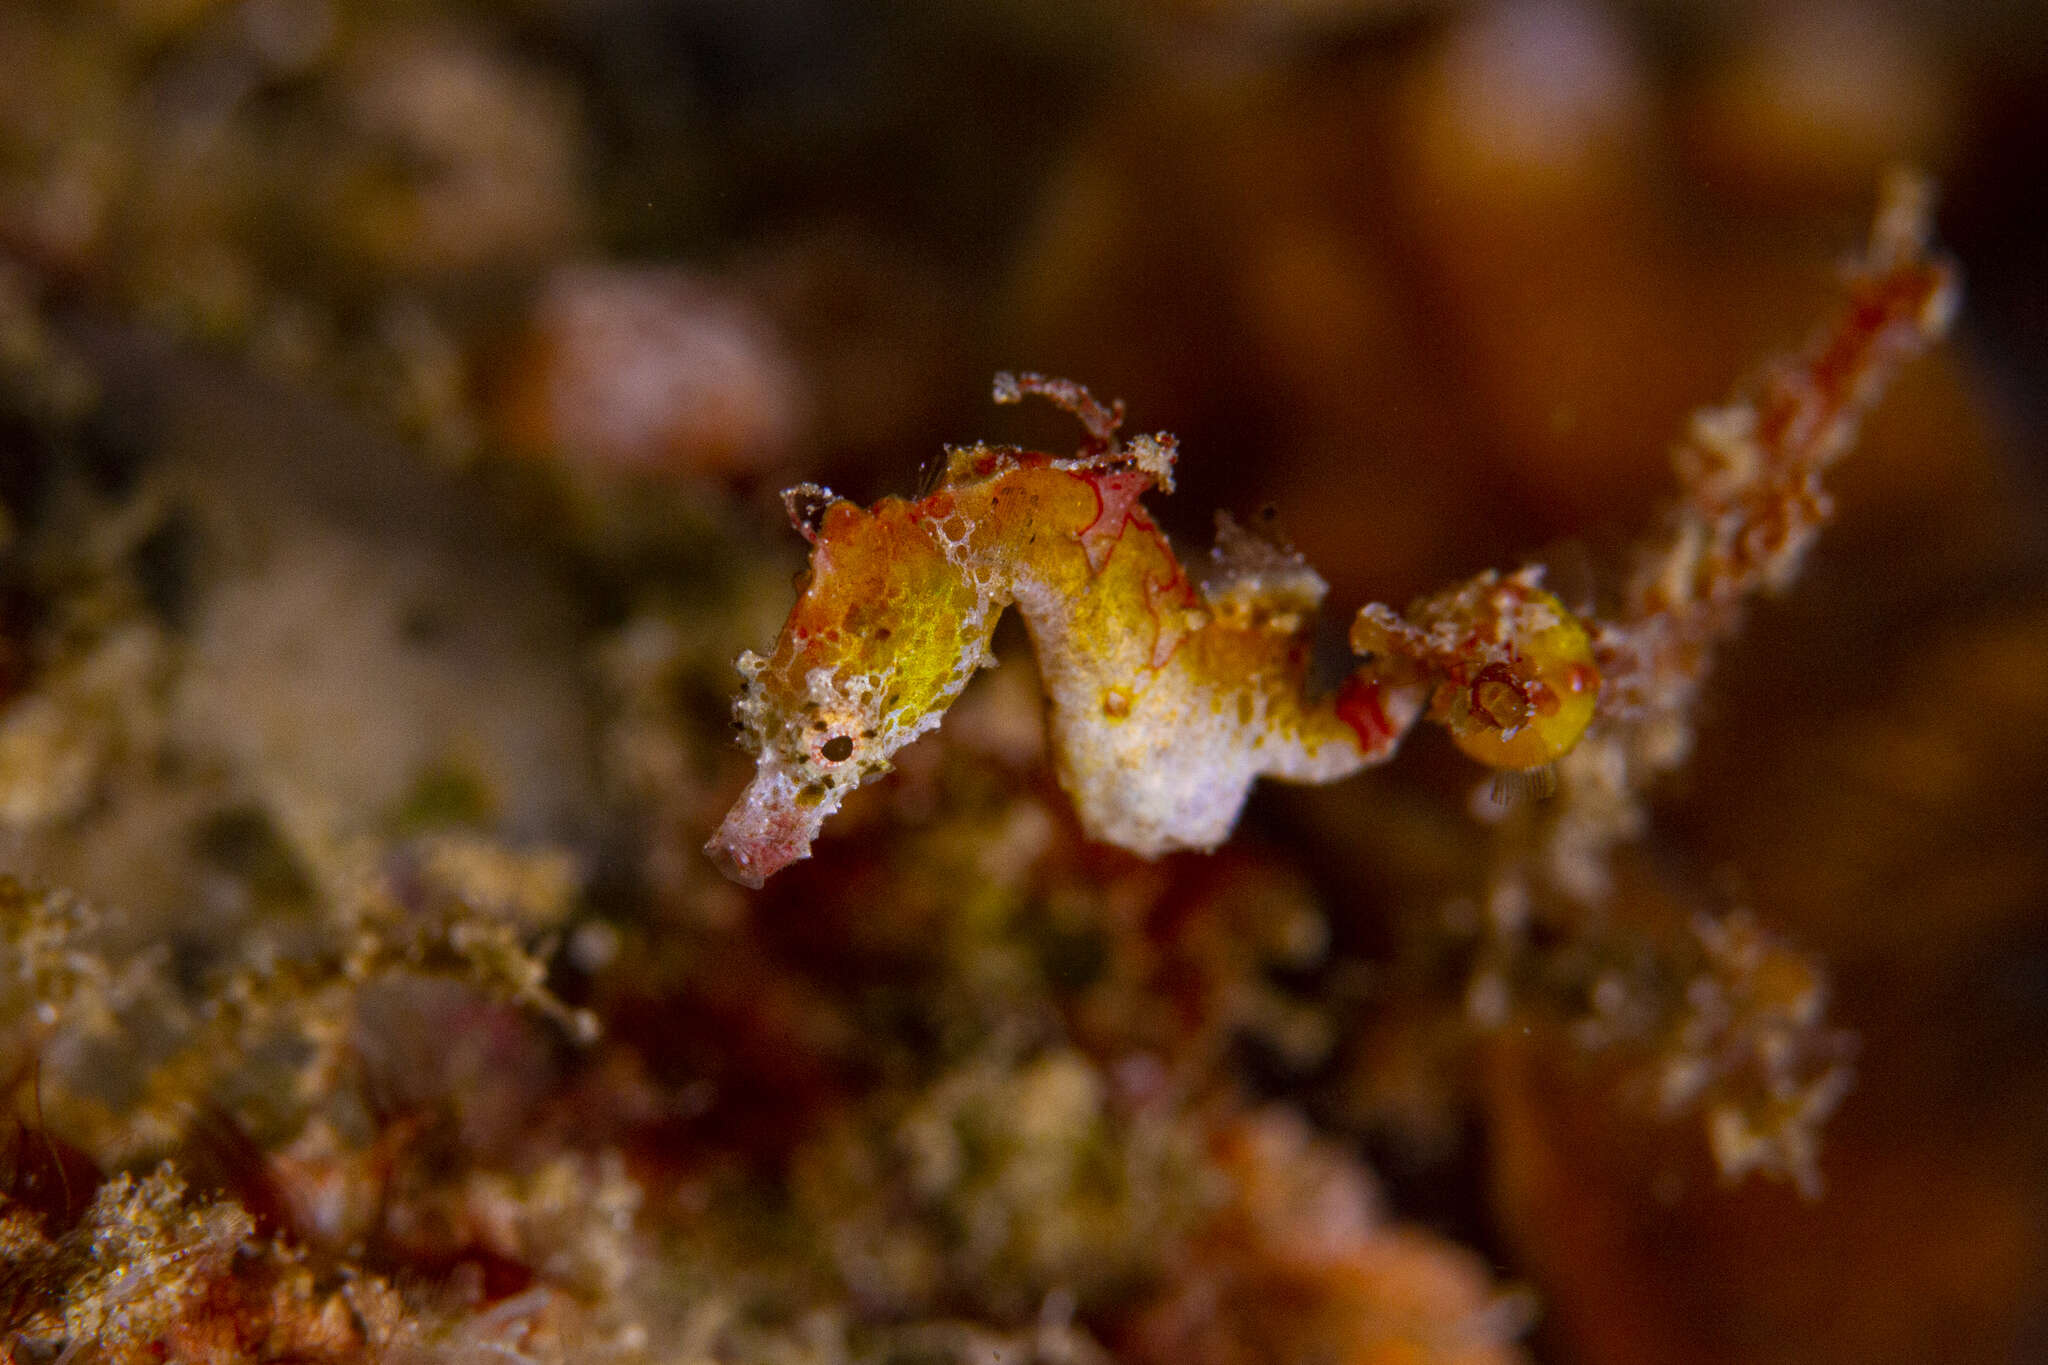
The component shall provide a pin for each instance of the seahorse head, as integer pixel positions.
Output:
(886, 630)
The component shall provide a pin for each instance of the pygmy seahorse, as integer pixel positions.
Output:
(1168, 697)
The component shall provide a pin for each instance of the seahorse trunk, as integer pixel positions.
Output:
(1167, 700)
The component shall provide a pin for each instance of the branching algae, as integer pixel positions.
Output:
(1169, 696)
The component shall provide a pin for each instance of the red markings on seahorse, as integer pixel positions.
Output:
(1116, 506)
(1167, 599)
(1358, 704)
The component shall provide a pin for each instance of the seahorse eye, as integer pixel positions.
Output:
(837, 749)
(1530, 724)
(1498, 700)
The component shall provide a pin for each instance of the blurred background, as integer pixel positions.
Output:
(394, 398)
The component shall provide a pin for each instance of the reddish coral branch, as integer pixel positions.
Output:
(1745, 1043)
(1750, 471)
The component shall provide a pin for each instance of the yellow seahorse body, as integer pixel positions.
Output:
(1167, 699)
